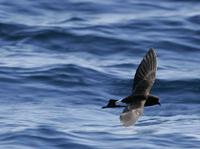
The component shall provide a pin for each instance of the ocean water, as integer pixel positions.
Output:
(60, 62)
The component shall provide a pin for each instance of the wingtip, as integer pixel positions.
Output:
(152, 50)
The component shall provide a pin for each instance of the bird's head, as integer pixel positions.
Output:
(151, 101)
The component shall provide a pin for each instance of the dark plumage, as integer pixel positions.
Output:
(140, 97)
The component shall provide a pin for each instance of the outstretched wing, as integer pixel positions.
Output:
(143, 81)
(145, 74)
(130, 115)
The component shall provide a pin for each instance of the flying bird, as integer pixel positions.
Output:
(140, 97)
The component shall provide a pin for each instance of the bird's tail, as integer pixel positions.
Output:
(112, 103)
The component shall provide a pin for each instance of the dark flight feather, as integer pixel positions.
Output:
(145, 74)
(143, 82)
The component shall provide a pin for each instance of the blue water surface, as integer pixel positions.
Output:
(60, 62)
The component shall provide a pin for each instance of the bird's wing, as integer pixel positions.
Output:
(143, 81)
(145, 74)
(130, 115)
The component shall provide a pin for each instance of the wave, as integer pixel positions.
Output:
(61, 62)
(42, 136)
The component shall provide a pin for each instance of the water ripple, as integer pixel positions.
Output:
(60, 62)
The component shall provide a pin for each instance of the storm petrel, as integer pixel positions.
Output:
(140, 96)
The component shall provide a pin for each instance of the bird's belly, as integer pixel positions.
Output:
(137, 105)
